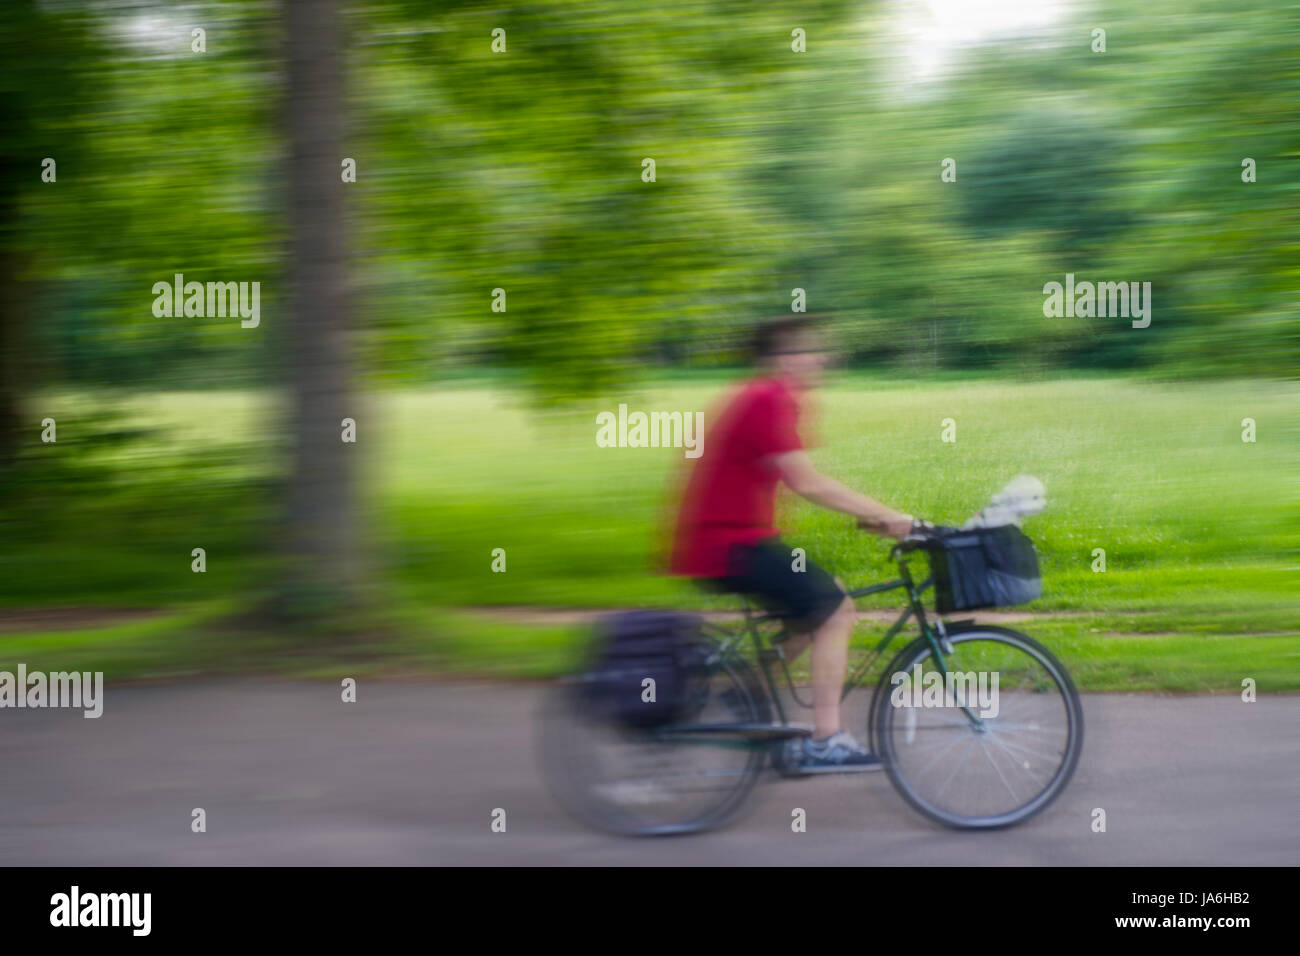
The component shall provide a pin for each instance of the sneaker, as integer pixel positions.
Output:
(838, 753)
(787, 757)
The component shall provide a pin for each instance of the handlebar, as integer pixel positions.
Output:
(923, 533)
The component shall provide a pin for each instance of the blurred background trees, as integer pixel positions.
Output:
(521, 170)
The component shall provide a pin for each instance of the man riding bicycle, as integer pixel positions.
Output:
(726, 539)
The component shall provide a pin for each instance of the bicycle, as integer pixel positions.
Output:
(1035, 733)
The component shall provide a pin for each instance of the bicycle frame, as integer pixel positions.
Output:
(763, 728)
(933, 632)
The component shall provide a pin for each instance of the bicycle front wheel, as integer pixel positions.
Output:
(986, 740)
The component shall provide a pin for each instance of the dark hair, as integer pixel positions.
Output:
(771, 336)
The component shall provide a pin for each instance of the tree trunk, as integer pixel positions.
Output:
(323, 551)
(18, 165)
(14, 355)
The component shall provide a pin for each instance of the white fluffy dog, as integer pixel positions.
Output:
(1022, 497)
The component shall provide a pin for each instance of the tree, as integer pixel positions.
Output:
(43, 61)
(322, 543)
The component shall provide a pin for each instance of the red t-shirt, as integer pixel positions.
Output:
(731, 495)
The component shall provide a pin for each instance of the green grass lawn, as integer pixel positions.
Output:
(1200, 529)
(1189, 516)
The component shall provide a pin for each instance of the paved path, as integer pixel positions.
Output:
(410, 775)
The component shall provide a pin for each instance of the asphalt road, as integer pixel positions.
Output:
(411, 773)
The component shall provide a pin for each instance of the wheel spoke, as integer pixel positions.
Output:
(993, 763)
(1005, 744)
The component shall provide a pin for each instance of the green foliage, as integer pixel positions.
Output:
(819, 170)
(110, 512)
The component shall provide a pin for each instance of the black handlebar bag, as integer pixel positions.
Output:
(984, 567)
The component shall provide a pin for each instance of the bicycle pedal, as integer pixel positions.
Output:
(782, 734)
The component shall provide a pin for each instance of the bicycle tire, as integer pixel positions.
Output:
(574, 791)
(883, 715)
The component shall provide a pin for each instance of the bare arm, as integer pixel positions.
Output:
(803, 478)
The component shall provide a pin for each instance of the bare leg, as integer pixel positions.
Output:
(795, 645)
(830, 658)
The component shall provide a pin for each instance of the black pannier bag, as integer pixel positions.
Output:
(984, 567)
(633, 645)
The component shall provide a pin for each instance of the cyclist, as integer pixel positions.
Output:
(725, 536)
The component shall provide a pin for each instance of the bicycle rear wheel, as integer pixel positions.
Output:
(1001, 760)
(677, 779)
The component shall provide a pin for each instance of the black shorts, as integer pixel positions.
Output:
(804, 600)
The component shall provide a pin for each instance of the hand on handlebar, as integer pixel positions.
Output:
(923, 531)
(900, 526)
(910, 532)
